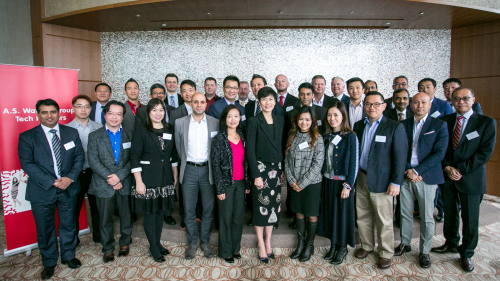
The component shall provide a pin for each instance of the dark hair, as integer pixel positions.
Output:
(151, 105)
(102, 84)
(428, 80)
(401, 90)
(373, 82)
(375, 93)
(265, 92)
(113, 102)
(83, 97)
(306, 85)
(452, 80)
(189, 82)
(344, 127)
(355, 79)
(400, 76)
(318, 77)
(171, 75)
(223, 117)
(47, 102)
(156, 86)
(255, 76)
(131, 80)
(211, 79)
(463, 88)
(231, 78)
(313, 130)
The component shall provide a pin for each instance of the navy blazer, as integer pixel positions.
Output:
(471, 155)
(215, 110)
(345, 156)
(92, 112)
(345, 99)
(431, 148)
(36, 160)
(442, 106)
(387, 160)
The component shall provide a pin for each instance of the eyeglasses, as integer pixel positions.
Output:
(158, 93)
(231, 88)
(376, 105)
(400, 84)
(82, 106)
(465, 99)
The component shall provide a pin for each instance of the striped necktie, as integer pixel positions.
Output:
(456, 133)
(56, 147)
(259, 109)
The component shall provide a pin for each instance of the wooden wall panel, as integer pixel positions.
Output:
(493, 175)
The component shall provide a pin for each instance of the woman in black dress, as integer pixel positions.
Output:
(337, 217)
(263, 149)
(303, 163)
(153, 159)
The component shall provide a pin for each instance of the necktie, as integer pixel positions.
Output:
(56, 146)
(172, 101)
(259, 109)
(242, 103)
(456, 133)
(281, 101)
(401, 117)
(103, 121)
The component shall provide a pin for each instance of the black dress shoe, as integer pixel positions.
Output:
(466, 264)
(183, 225)
(47, 272)
(445, 249)
(134, 217)
(237, 256)
(229, 260)
(169, 220)
(160, 259)
(424, 261)
(401, 249)
(275, 226)
(440, 216)
(73, 263)
(164, 251)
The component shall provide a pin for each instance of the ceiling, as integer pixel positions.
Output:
(208, 14)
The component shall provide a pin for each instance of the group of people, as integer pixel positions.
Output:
(343, 159)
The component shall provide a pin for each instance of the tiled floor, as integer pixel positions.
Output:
(140, 266)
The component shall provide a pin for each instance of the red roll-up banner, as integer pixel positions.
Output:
(22, 87)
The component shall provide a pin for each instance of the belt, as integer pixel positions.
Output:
(197, 164)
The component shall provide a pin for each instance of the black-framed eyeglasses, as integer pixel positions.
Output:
(376, 105)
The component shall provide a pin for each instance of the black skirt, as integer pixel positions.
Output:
(155, 199)
(336, 218)
(267, 201)
(306, 201)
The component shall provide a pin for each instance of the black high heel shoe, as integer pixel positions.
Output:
(271, 255)
(264, 260)
(164, 252)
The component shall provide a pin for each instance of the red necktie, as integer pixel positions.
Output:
(456, 133)
(281, 101)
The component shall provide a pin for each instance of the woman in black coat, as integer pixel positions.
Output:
(153, 147)
(230, 166)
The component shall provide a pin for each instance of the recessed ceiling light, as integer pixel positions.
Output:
(421, 13)
(138, 15)
(208, 14)
(280, 12)
(387, 23)
(351, 12)
(164, 24)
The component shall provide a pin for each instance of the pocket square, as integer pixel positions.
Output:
(429, 133)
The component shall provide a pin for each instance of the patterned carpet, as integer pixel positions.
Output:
(140, 266)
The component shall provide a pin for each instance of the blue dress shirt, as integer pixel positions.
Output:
(116, 142)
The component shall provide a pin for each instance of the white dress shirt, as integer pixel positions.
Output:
(98, 109)
(188, 108)
(355, 113)
(197, 146)
(464, 123)
(49, 137)
(339, 97)
(417, 129)
(320, 102)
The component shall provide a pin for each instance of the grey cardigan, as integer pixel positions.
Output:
(304, 165)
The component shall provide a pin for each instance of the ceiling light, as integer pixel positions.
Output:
(138, 15)
(421, 13)
(164, 24)
(387, 23)
(280, 12)
(208, 14)
(351, 12)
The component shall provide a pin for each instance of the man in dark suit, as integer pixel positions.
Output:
(471, 144)
(286, 100)
(109, 153)
(401, 111)
(427, 142)
(449, 85)
(53, 157)
(173, 98)
(400, 82)
(338, 87)
(371, 86)
(102, 93)
(354, 107)
(131, 105)
(381, 173)
(231, 86)
(320, 98)
(155, 91)
(211, 91)
(253, 108)
(439, 107)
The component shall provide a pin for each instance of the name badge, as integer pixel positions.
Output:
(336, 139)
(69, 145)
(319, 122)
(303, 145)
(436, 114)
(243, 118)
(167, 136)
(145, 162)
(213, 134)
(127, 145)
(472, 135)
(289, 108)
(380, 138)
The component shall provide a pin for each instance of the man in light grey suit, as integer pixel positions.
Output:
(131, 105)
(193, 138)
(109, 152)
(85, 126)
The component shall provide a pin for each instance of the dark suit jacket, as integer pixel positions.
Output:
(290, 103)
(393, 115)
(102, 162)
(217, 107)
(471, 155)
(177, 113)
(347, 110)
(388, 101)
(141, 113)
(92, 111)
(345, 99)
(263, 144)
(250, 109)
(36, 160)
(328, 101)
(387, 160)
(431, 148)
(442, 106)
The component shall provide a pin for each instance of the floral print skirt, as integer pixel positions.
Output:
(267, 201)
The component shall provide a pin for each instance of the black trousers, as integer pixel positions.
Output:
(45, 221)
(84, 179)
(106, 207)
(231, 219)
(153, 225)
(470, 204)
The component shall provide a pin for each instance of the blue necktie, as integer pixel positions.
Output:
(56, 147)
(172, 101)
(103, 121)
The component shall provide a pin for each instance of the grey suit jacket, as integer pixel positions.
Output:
(177, 113)
(129, 118)
(181, 141)
(102, 162)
